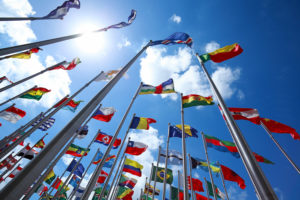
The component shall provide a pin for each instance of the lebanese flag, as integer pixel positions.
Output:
(197, 184)
(249, 114)
(15, 172)
(136, 148)
(102, 177)
(230, 175)
(12, 114)
(104, 114)
(105, 139)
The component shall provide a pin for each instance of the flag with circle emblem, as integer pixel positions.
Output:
(160, 172)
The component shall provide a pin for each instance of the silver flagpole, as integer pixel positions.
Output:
(155, 173)
(179, 184)
(17, 96)
(30, 77)
(89, 189)
(23, 18)
(222, 178)
(169, 193)
(191, 178)
(260, 182)
(150, 177)
(209, 169)
(185, 187)
(166, 163)
(7, 108)
(206, 186)
(7, 169)
(280, 148)
(145, 186)
(141, 195)
(115, 190)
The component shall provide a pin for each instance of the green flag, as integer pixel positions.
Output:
(160, 175)
(219, 194)
(174, 193)
(144, 197)
(99, 190)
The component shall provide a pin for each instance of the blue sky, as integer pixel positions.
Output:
(264, 76)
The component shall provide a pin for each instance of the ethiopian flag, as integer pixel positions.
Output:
(77, 151)
(35, 93)
(223, 54)
(196, 100)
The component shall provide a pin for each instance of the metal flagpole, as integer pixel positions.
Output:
(170, 195)
(166, 162)
(115, 190)
(209, 169)
(185, 187)
(191, 178)
(256, 175)
(155, 173)
(30, 77)
(98, 170)
(179, 184)
(280, 148)
(146, 185)
(207, 192)
(17, 96)
(150, 177)
(7, 169)
(222, 178)
(23, 18)
(141, 195)
(7, 108)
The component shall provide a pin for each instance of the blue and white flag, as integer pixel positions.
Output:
(174, 157)
(78, 171)
(175, 38)
(123, 24)
(62, 10)
(45, 125)
(79, 193)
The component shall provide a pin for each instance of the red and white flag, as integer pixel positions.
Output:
(249, 114)
(15, 172)
(104, 114)
(136, 148)
(8, 162)
(102, 177)
(68, 65)
(27, 152)
(12, 114)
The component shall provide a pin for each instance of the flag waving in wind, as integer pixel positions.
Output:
(175, 38)
(164, 88)
(12, 114)
(25, 54)
(124, 24)
(104, 114)
(61, 11)
(68, 65)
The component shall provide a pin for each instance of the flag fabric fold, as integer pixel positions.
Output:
(79, 169)
(196, 100)
(8, 162)
(175, 38)
(174, 157)
(249, 114)
(150, 189)
(71, 105)
(61, 11)
(27, 152)
(12, 114)
(131, 18)
(160, 173)
(77, 151)
(218, 192)
(50, 177)
(68, 65)
(15, 172)
(176, 131)
(46, 124)
(83, 132)
(25, 54)
(108, 162)
(230, 175)
(125, 193)
(40, 144)
(202, 164)
(135, 148)
(128, 182)
(141, 123)
(164, 88)
(35, 93)
(133, 167)
(104, 114)
(102, 177)
(107, 76)
(105, 139)
(197, 184)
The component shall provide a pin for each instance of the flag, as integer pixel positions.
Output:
(200, 197)
(176, 131)
(125, 181)
(160, 173)
(125, 193)
(74, 181)
(35, 93)
(105, 139)
(144, 197)
(8, 162)
(164, 88)
(41, 189)
(68, 65)
(61, 11)
(77, 151)
(219, 194)
(141, 123)
(40, 144)
(107, 76)
(132, 167)
(15, 172)
(104, 114)
(62, 196)
(277, 127)
(46, 124)
(223, 54)
(230, 175)
(50, 177)
(15, 139)
(79, 192)
(79, 169)
(71, 105)
(149, 189)
(197, 184)
(58, 183)
(135, 148)
(25, 54)
(12, 114)
(102, 177)
(202, 164)
(249, 114)
(5, 78)
(83, 132)
(174, 157)
(175, 38)
(124, 24)
(196, 100)
(98, 191)
(108, 162)
(174, 194)
(27, 152)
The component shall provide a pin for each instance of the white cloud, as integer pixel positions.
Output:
(125, 43)
(212, 46)
(279, 193)
(175, 18)
(235, 194)
(67, 159)
(240, 94)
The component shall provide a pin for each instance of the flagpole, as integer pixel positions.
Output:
(206, 186)
(145, 186)
(99, 168)
(179, 184)
(257, 176)
(209, 169)
(11, 172)
(166, 163)
(7, 169)
(280, 148)
(115, 190)
(17, 96)
(169, 193)
(115, 162)
(191, 177)
(222, 178)
(186, 189)
(23, 18)
(150, 177)
(141, 194)
(30, 77)
(7, 108)
(155, 175)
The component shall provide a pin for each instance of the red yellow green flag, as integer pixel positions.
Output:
(40, 144)
(25, 54)
(196, 100)
(35, 93)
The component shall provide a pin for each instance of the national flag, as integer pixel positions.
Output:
(61, 11)
(135, 148)
(125, 181)
(58, 183)
(201, 197)
(15, 139)
(12, 114)
(175, 38)
(25, 54)
(277, 127)
(77, 151)
(164, 88)
(82, 132)
(249, 114)
(79, 192)
(71, 105)
(68, 65)
(46, 124)
(219, 194)
(174, 194)
(8, 162)
(98, 191)
(104, 114)
(79, 169)
(149, 189)
(41, 189)
(4, 78)
(174, 157)
(27, 152)
(230, 175)
(197, 184)
(35, 93)
(15, 172)
(105, 139)
(141, 123)
(202, 164)
(131, 18)
(132, 167)
(108, 162)
(176, 131)
(160, 173)
(74, 181)
(125, 193)
(107, 76)
(62, 196)
(223, 54)
(196, 100)
(50, 177)
(144, 197)
(102, 177)
(40, 144)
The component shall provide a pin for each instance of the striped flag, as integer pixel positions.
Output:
(45, 125)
